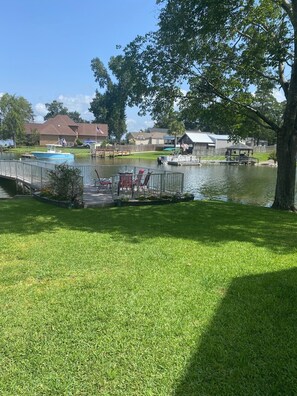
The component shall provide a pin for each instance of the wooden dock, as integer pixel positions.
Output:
(240, 161)
(109, 153)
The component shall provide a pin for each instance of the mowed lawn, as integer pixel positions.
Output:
(186, 299)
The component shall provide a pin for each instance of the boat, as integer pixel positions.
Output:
(179, 160)
(53, 152)
(27, 156)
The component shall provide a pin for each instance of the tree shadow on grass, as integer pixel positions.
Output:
(250, 348)
(207, 222)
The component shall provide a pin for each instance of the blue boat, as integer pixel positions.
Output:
(53, 152)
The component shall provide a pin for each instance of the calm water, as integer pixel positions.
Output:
(245, 184)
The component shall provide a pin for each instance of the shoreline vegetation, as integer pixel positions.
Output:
(185, 299)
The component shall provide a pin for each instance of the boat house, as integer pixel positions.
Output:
(197, 143)
(240, 154)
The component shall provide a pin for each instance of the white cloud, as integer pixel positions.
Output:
(138, 123)
(149, 123)
(279, 95)
(81, 104)
(39, 119)
(40, 109)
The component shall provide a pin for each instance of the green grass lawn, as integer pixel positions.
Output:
(187, 299)
(150, 155)
(79, 152)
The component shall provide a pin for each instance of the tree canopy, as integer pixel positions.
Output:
(14, 113)
(211, 58)
(55, 108)
(109, 104)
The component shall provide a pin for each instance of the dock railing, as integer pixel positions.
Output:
(31, 175)
(35, 176)
(154, 183)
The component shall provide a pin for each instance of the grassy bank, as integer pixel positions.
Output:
(78, 152)
(189, 299)
(151, 155)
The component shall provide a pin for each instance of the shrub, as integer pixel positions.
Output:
(78, 142)
(273, 156)
(66, 184)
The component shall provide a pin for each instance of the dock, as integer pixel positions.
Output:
(184, 163)
(240, 161)
(179, 160)
(94, 199)
(111, 153)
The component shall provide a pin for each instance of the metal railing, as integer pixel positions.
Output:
(152, 183)
(32, 175)
(36, 177)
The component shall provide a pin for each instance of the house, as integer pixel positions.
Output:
(62, 128)
(220, 141)
(141, 138)
(223, 141)
(197, 143)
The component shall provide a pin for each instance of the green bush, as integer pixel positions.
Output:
(65, 184)
(273, 156)
(78, 142)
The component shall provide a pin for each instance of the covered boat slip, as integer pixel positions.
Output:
(239, 154)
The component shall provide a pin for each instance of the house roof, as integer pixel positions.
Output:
(163, 130)
(198, 137)
(239, 146)
(218, 137)
(59, 125)
(147, 135)
(64, 125)
(85, 129)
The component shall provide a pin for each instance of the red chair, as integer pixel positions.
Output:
(125, 183)
(104, 183)
(137, 181)
(144, 185)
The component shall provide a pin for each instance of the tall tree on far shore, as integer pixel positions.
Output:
(109, 104)
(219, 53)
(55, 108)
(15, 111)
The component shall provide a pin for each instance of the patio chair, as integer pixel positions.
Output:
(125, 183)
(144, 185)
(138, 179)
(103, 183)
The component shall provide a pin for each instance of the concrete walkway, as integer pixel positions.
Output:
(93, 199)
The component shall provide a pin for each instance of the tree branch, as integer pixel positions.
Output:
(254, 111)
(286, 6)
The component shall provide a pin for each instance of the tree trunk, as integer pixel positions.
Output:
(286, 172)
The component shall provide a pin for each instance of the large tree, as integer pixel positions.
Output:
(109, 104)
(15, 111)
(57, 108)
(220, 53)
(220, 118)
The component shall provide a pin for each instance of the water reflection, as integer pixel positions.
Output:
(253, 185)
(244, 184)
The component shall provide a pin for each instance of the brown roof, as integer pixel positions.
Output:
(99, 130)
(64, 125)
(31, 126)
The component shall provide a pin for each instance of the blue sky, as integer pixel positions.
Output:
(47, 47)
